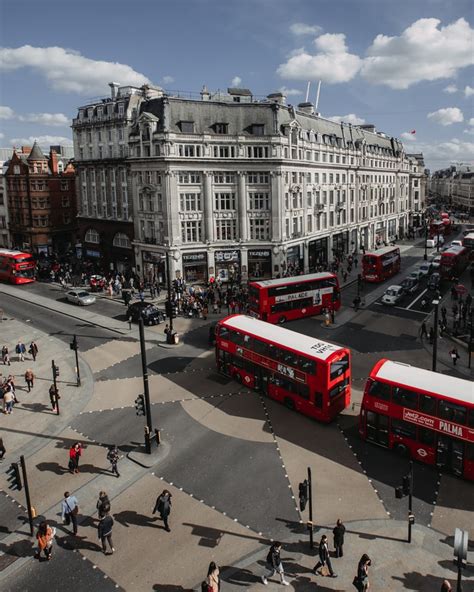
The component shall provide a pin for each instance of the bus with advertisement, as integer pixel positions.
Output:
(442, 227)
(468, 243)
(310, 376)
(421, 414)
(381, 264)
(453, 262)
(286, 299)
(17, 267)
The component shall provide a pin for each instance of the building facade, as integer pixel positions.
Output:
(4, 226)
(234, 187)
(454, 186)
(41, 201)
(418, 182)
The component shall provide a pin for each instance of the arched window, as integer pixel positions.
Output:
(121, 240)
(92, 236)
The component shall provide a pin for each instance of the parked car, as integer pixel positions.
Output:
(150, 313)
(425, 268)
(434, 281)
(456, 243)
(416, 274)
(436, 262)
(81, 297)
(410, 285)
(432, 242)
(393, 295)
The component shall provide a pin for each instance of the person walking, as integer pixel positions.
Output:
(53, 396)
(6, 356)
(423, 330)
(454, 355)
(29, 379)
(70, 510)
(45, 538)
(361, 580)
(213, 580)
(103, 504)
(113, 457)
(163, 507)
(324, 558)
(8, 399)
(104, 530)
(3, 450)
(33, 350)
(74, 455)
(20, 350)
(274, 565)
(338, 532)
(445, 586)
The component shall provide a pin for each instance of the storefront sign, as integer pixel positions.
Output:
(261, 254)
(90, 253)
(227, 256)
(194, 258)
(151, 257)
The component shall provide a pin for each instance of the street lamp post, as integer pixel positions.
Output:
(169, 305)
(425, 256)
(435, 337)
(146, 389)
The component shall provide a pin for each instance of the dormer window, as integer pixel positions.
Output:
(257, 129)
(186, 127)
(221, 128)
(120, 108)
(90, 113)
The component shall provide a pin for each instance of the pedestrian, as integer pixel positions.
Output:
(113, 457)
(163, 507)
(445, 586)
(213, 580)
(70, 510)
(33, 350)
(53, 396)
(103, 504)
(361, 580)
(454, 355)
(324, 558)
(8, 400)
(29, 379)
(5, 356)
(338, 532)
(74, 455)
(3, 450)
(20, 350)
(104, 530)
(423, 331)
(45, 538)
(274, 564)
(431, 335)
(356, 302)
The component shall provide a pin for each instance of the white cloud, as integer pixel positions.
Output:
(468, 91)
(303, 29)
(236, 81)
(349, 118)
(290, 92)
(451, 89)
(167, 79)
(424, 51)
(408, 137)
(43, 141)
(6, 112)
(447, 116)
(2, 136)
(469, 131)
(332, 64)
(67, 70)
(53, 119)
(471, 121)
(439, 155)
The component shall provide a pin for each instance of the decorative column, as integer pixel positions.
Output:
(276, 197)
(208, 207)
(306, 257)
(172, 205)
(242, 205)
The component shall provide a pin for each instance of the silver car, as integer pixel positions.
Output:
(80, 297)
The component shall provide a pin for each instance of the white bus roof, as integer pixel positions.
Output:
(12, 253)
(457, 389)
(454, 250)
(292, 280)
(382, 251)
(321, 350)
(470, 236)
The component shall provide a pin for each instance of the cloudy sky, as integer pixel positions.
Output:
(403, 66)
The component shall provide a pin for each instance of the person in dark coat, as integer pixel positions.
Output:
(324, 558)
(163, 507)
(104, 531)
(338, 532)
(274, 565)
(362, 578)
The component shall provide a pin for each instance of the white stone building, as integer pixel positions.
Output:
(454, 186)
(4, 232)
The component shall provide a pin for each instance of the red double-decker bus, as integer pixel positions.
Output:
(421, 414)
(307, 375)
(438, 227)
(381, 264)
(468, 243)
(17, 267)
(453, 262)
(286, 299)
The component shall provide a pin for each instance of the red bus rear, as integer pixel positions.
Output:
(17, 267)
(421, 414)
(381, 264)
(468, 243)
(310, 376)
(286, 299)
(438, 227)
(453, 262)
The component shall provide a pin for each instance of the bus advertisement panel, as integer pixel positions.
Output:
(310, 376)
(17, 267)
(286, 299)
(381, 264)
(421, 414)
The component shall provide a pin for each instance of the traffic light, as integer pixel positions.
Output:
(303, 491)
(406, 485)
(140, 405)
(73, 344)
(55, 371)
(169, 309)
(14, 477)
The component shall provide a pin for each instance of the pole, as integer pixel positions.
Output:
(146, 389)
(78, 372)
(435, 339)
(470, 341)
(425, 256)
(168, 282)
(410, 501)
(459, 583)
(27, 493)
(55, 386)
(310, 500)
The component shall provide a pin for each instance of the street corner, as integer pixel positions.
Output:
(454, 506)
(111, 353)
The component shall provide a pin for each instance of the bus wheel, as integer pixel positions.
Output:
(282, 320)
(402, 450)
(290, 404)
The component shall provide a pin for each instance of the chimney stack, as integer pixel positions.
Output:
(54, 162)
(113, 89)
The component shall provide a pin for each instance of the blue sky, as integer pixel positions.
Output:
(405, 65)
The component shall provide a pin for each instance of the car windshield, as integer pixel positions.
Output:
(391, 292)
(83, 294)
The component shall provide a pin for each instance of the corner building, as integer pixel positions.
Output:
(232, 186)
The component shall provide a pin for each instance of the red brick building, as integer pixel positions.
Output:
(41, 201)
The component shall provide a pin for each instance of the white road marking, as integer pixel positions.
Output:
(417, 298)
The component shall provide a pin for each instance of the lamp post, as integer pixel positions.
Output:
(146, 390)
(435, 337)
(168, 282)
(425, 256)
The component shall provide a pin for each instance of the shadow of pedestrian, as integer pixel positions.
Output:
(295, 527)
(70, 542)
(239, 577)
(37, 408)
(130, 517)
(21, 548)
(52, 467)
(170, 588)
(419, 582)
(210, 537)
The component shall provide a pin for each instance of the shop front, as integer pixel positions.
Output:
(295, 259)
(154, 267)
(227, 265)
(317, 253)
(259, 264)
(195, 268)
(340, 244)
(392, 229)
(380, 237)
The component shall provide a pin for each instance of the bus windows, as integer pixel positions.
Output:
(381, 390)
(224, 332)
(318, 400)
(428, 404)
(338, 389)
(307, 365)
(260, 347)
(404, 429)
(405, 398)
(339, 367)
(452, 412)
(426, 436)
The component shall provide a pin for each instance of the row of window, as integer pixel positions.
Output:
(187, 127)
(120, 239)
(424, 403)
(225, 230)
(294, 288)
